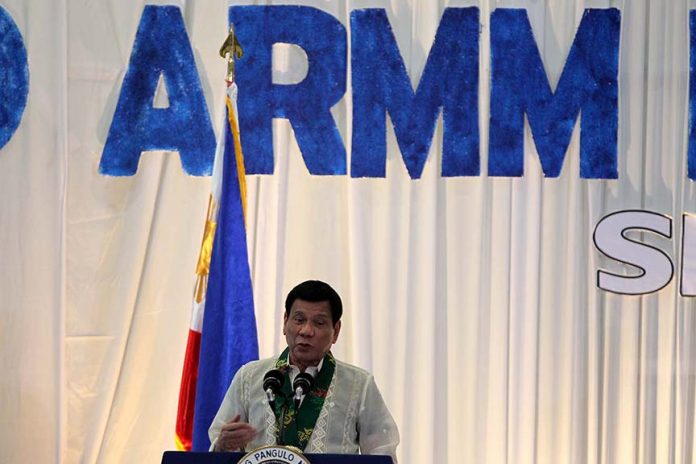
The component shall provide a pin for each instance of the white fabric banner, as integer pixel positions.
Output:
(473, 300)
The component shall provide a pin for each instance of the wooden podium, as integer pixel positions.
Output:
(183, 457)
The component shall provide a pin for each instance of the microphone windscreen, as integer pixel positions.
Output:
(274, 379)
(304, 381)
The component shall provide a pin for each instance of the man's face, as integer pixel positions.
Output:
(309, 332)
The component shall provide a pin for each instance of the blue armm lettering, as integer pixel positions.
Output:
(381, 84)
(307, 104)
(138, 126)
(691, 155)
(14, 88)
(519, 85)
(588, 87)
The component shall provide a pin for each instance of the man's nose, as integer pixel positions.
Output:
(306, 329)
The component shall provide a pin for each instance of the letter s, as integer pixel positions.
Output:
(655, 266)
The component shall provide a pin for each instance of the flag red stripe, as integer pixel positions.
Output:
(187, 391)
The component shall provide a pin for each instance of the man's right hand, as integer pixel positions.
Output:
(234, 435)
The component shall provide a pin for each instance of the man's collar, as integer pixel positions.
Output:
(311, 369)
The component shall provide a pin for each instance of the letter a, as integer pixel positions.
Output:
(161, 48)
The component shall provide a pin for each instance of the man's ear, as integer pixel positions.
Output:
(285, 321)
(337, 329)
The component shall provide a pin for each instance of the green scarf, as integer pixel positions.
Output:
(299, 424)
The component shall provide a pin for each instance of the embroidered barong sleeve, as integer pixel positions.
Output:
(231, 405)
(377, 431)
(246, 397)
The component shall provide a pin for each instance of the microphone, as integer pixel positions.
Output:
(272, 383)
(302, 385)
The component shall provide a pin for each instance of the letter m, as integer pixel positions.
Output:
(381, 85)
(588, 85)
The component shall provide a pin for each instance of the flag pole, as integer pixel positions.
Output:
(230, 50)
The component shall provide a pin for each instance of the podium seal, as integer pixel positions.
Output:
(274, 455)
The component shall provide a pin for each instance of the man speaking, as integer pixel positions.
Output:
(305, 397)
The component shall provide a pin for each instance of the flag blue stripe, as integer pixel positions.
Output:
(229, 337)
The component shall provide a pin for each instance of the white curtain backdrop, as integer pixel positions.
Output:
(472, 300)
